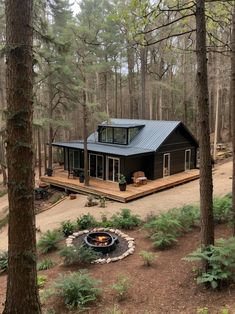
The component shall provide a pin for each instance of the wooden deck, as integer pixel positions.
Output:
(111, 190)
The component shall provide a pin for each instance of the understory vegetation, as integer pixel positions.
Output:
(79, 289)
(165, 228)
(221, 263)
(78, 254)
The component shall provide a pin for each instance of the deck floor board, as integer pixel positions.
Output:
(111, 190)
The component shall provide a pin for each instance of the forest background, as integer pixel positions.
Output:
(126, 59)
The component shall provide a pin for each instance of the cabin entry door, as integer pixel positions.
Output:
(96, 166)
(187, 159)
(113, 169)
(166, 165)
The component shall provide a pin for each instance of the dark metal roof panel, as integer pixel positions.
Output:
(120, 150)
(148, 140)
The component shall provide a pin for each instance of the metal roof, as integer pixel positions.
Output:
(119, 125)
(148, 140)
(119, 150)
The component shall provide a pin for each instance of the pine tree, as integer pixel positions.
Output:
(22, 295)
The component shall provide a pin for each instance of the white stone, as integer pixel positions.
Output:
(71, 237)
(100, 229)
(111, 230)
(130, 239)
(85, 231)
(76, 234)
(114, 259)
(108, 260)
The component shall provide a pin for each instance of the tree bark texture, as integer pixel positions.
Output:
(22, 295)
(232, 90)
(131, 83)
(85, 135)
(206, 186)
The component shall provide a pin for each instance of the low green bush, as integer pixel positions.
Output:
(125, 220)
(49, 241)
(86, 221)
(162, 240)
(78, 289)
(121, 287)
(68, 228)
(3, 261)
(188, 216)
(221, 263)
(45, 264)
(166, 223)
(222, 209)
(78, 254)
(148, 257)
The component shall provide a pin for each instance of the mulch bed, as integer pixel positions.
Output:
(167, 287)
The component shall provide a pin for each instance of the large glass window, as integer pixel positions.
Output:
(132, 133)
(120, 136)
(113, 135)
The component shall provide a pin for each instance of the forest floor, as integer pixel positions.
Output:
(162, 201)
(168, 286)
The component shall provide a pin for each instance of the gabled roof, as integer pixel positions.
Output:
(150, 137)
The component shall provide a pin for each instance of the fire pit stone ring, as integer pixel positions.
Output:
(113, 241)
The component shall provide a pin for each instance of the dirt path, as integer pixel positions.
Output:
(158, 202)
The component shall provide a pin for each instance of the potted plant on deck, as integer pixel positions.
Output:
(122, 182)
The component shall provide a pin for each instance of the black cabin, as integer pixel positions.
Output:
(159, 148)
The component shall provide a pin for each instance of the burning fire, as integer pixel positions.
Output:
(101, 239)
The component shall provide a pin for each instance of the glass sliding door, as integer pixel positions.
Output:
(113, 169)
(166, 165)
(187, 159)
(96, 166)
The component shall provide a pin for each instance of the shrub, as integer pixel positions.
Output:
(68, 227)
(148, 257)
(41, 281)
(125, 220)
(221, 263)
(3, 261)
(49, 241)
(121, 287)
(78, 254)
(222, 209)
(78, 289)
(166, 223)
(86, 222)
(188, 216)
(162, 240)
(45, 264)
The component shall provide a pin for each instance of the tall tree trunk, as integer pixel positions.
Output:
(232, 90)
(143, 60)
(131, 83)
(85, 135)
(206, 186)
(39, 155)
(22, 295)
(116, 93)
(45, 150)
(50, 114)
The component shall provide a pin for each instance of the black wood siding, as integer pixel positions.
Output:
(140, 163)
(175, 144)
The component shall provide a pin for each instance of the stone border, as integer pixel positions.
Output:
(130, 242)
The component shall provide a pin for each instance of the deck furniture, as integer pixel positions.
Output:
(139, 178)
